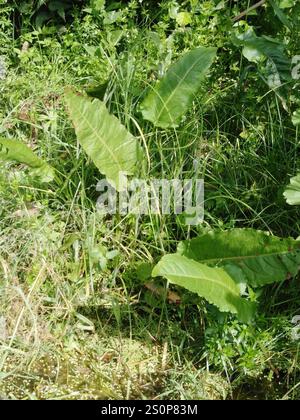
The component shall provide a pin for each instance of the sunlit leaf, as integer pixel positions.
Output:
(296, 117)
(171, 97)
(213, 284)
(257, 257)
(105, 140)
(292, 192)
(15, 151)
(184, 18)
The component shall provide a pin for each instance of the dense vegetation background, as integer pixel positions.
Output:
(80, 316)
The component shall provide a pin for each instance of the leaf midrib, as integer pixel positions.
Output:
(110, 151)
(165, 103)
(205, 278)
(248, 257)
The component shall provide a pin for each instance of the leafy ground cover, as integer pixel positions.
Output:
(97, 306)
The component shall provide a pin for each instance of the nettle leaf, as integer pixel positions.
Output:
(249, 256)
(213, 284)
(292, 192)
(273, 63)
(171, 97)
(104, 139)
(15, 151)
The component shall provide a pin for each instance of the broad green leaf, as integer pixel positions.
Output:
(249, 256)
(104, 139)
(13, 150)
(213, 284)
(171, 97)
(273, 64)
(292, 192)
(296, 117)
(281, 15)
